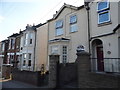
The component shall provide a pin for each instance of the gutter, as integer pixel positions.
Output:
(88, 8)
(34, 50)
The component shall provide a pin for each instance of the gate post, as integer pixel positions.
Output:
(53, 69)
(83, 67)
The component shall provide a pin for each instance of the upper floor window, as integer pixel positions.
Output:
(31, 38)
(59, 27)
(103, 5)
(12, 43)
(3, 46)
(73, 19)
(103, 12)
(73, 23)
(26, 39)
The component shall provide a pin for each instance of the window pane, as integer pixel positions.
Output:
(29, 62)
(73, 19)
(59, 24)
(73, 28)
(102, 5)
(29, 55)
(64, 56)
(31, 35)
(26, 39)
(59, 31)
(3, 46)
(104, 17)
(30, 41)
(24, 62)
(12, 43)
(54, 49)
(24, 56)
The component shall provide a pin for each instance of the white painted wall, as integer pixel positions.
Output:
(77, 38)
(41, 55)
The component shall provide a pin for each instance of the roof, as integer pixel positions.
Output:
(59, 39)
(118, 26)
(4, 40)
(63, 7)
(14, 35)
(37, 26)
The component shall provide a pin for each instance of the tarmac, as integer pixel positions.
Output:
(8, 84)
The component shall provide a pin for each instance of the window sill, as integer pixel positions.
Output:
(105, 23)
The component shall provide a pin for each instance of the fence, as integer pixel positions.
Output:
(110, 64)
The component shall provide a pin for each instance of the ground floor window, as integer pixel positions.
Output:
(54, 49)
(24, 62)
(24, 59)
(29, 57)
(64, 54)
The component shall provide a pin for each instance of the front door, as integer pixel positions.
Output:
(100, 61)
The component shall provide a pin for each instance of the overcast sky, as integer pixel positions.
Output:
(16, 14)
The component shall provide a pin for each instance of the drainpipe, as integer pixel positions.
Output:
(88, 8)
(34, 50)
(47, 62)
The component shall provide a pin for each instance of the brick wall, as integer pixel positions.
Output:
(87, 79)
(6, 71)
(30, 77)
(67, 73)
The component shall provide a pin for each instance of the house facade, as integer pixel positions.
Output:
(41, 52)
(104, 22)
(27, 49)
(67, 30)
(13, 49)
(3, 51)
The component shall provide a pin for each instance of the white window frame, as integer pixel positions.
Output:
(71, 17)
(103, 13)
(71, 31)
(9, 43)
(59, 27)
(3, 47)
(103, 8)
(30, 38)
(26, 36)
(72, 24)
(24, 59)
(65, 54)
(29, 59)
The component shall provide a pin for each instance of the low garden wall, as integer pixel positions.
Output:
(34, 78)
